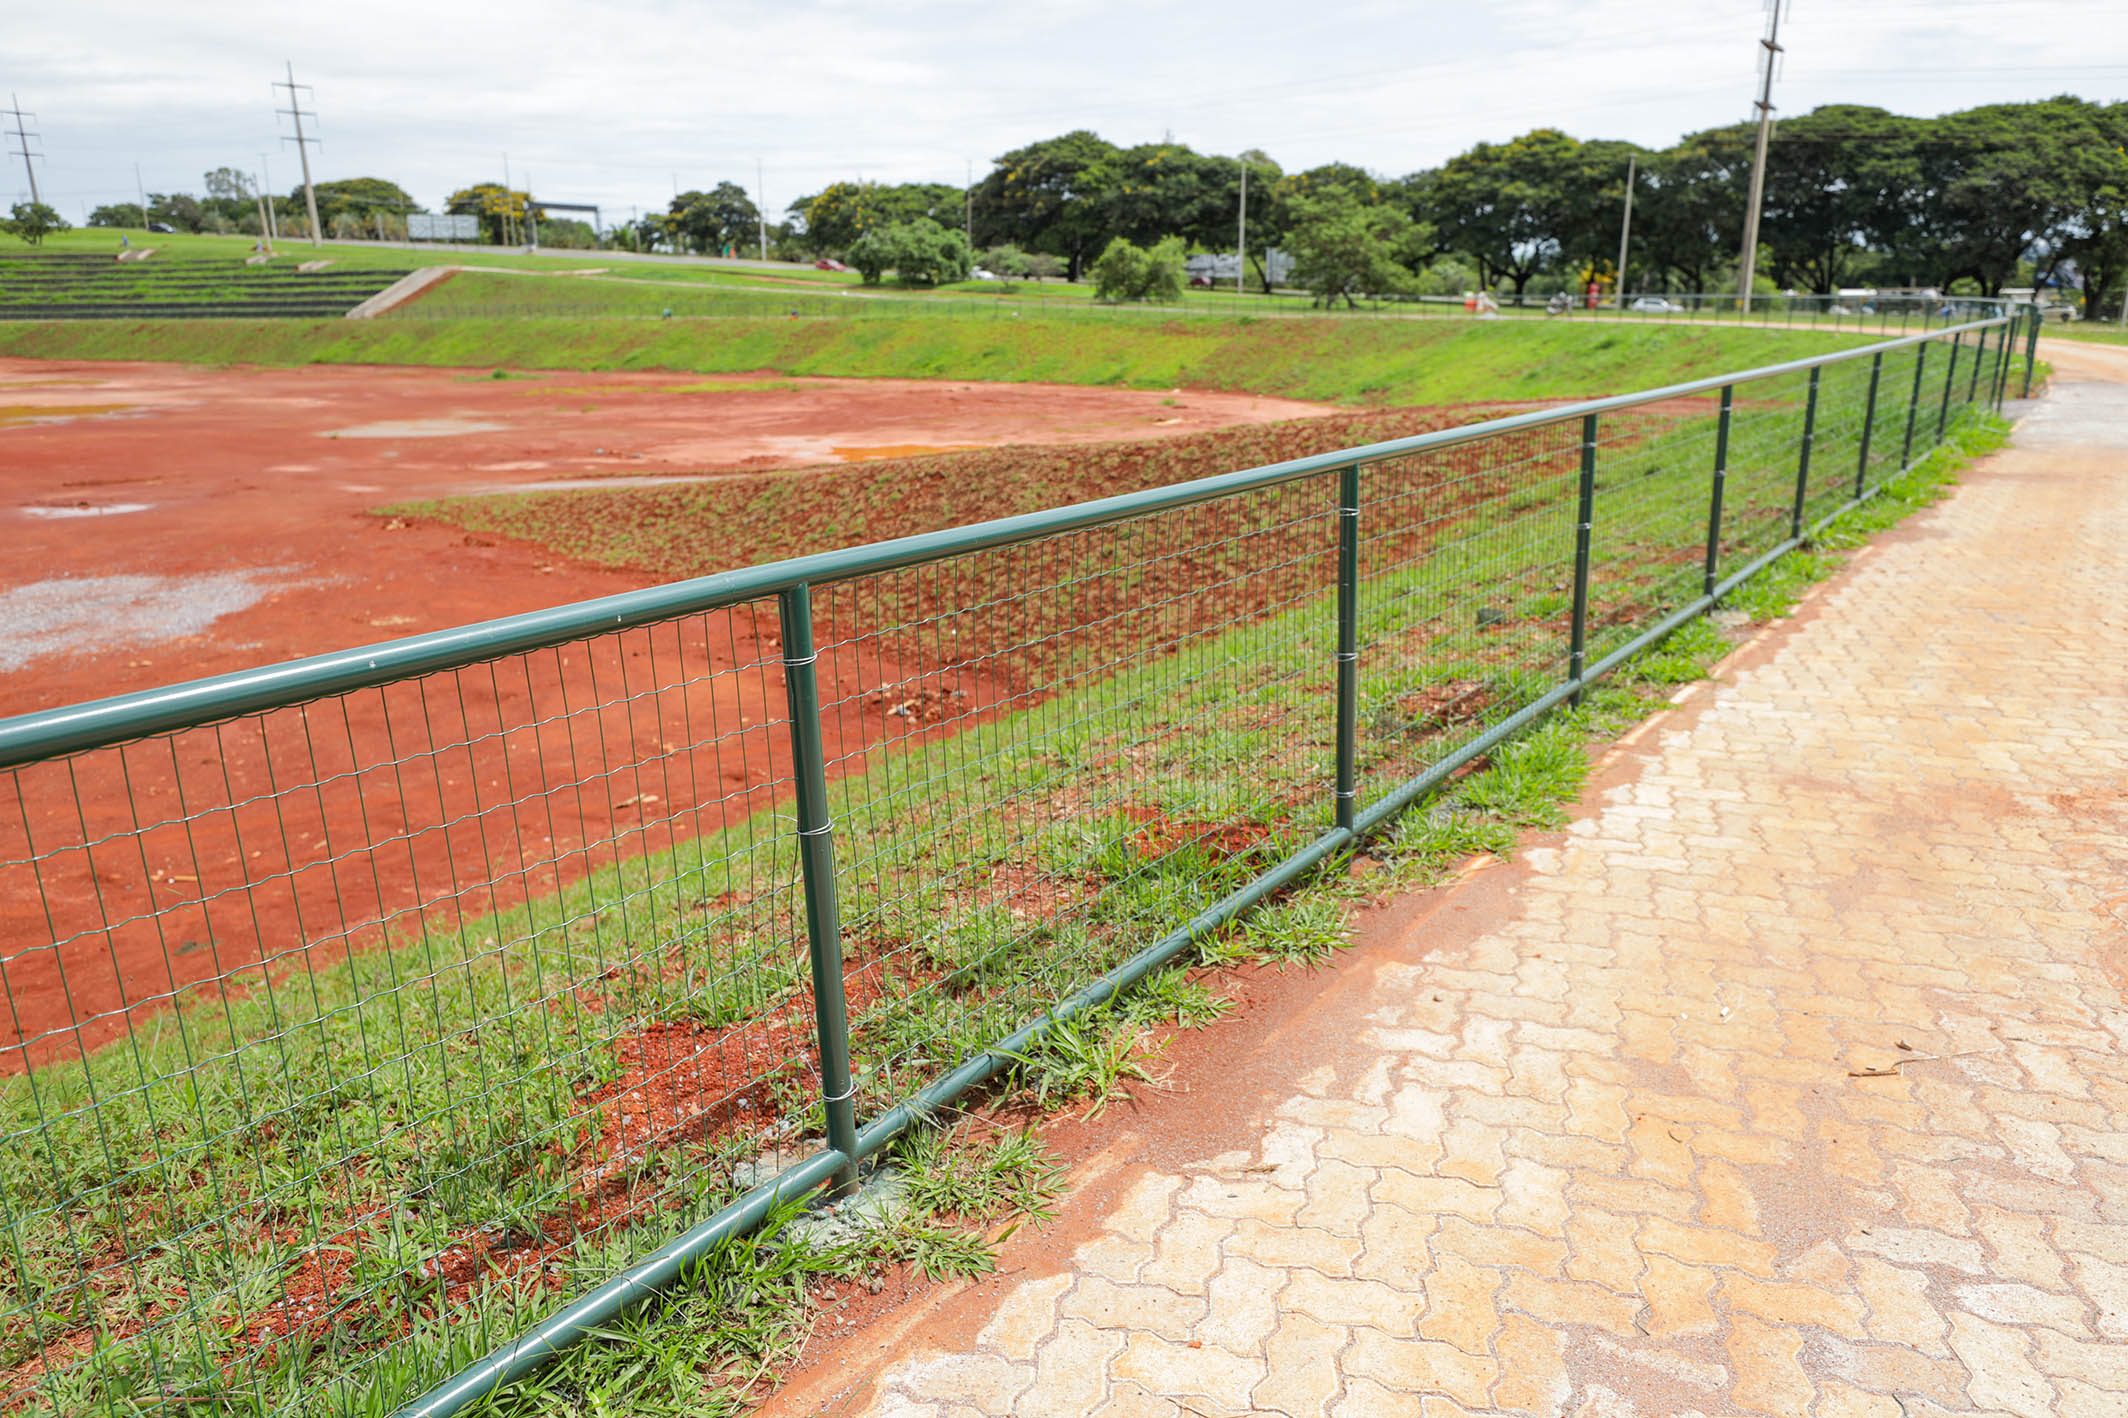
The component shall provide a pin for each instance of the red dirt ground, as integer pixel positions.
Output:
(267, 473)
(172, 522)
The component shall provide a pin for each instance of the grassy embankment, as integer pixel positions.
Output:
(695, 277)
(988, 874)
(1355, 362)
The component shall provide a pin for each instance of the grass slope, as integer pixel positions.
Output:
(1372, 362)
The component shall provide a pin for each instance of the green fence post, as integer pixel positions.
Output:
(2031, 350)
(1869, 424)
(816, 861)
(1950, 376)
(1721, 475)
(1802, 471)
(2003, 360)
(1980, 357)
(1348, 643)
(1913, 406)
(1583, 524)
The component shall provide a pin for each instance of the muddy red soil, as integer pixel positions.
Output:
(171, 522)
(262, 479)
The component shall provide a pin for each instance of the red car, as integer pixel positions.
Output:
(829, 264)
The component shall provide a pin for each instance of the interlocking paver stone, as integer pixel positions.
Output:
(1792, 1079)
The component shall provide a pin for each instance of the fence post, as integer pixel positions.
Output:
(1721, 475)
(1348, 644)
(1913, 405)
(2031, 350)
(1802, 471)
(1980, 357)
(1950, 376)
(1583, 523)
(2002, 364)
(816, 862)
(1869, 424)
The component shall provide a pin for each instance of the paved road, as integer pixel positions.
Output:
(1790, 1080)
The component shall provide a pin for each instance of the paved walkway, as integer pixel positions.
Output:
(1790, 1081)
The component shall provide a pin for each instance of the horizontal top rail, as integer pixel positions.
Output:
(100, 723)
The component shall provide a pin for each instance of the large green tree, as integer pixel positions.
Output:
(2095, 233)
(1510, 206)
(722, 218)
(1048, 196)
(33, 222)
(1688, 210)
(362, 198)
(501, 209)
(1344, 248)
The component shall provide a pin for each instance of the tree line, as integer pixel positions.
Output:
(1994, 196)
(2007, 194)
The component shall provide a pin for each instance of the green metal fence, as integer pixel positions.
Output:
(383, 1021)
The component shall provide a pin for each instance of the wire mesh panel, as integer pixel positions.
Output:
(442, 999)
(1466, 588)
(1138, 720)
(1765, 441)
(1654, 467)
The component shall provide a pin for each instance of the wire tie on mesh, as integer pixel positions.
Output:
(821, 831)
(1348, 657)
(793, 662)
(842, 1097)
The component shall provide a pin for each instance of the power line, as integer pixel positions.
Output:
(23, 138)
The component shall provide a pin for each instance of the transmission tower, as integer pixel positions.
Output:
(297, 112)
(23, 138)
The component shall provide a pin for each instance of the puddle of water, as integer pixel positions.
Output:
(109, 509)
(415, 428)
(88, 615)
(855, 454)
(18, 415)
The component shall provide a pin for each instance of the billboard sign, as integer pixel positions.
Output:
(431, 226)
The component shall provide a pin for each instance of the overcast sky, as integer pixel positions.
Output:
(610, 102)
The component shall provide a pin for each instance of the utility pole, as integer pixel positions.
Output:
(273, 218)
(265, 231)
(531, 217)
(23, 138)
(509, 205)
(968, 205)
(1771, 48)
(1625, 228)
(1241, 233)
(295, 111)
(761, 208)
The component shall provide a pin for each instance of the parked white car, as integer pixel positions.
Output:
(1656, 305)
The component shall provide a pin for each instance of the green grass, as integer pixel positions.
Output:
(2106, 333)
(407, 1099)
(1335, 361)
